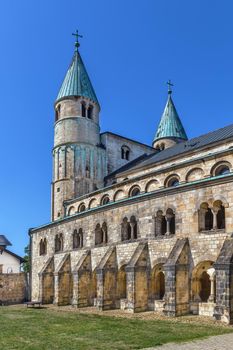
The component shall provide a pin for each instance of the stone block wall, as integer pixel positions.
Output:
(14, 288)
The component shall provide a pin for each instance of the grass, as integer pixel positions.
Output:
(33, 329)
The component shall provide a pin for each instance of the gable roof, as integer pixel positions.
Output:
(183, 147)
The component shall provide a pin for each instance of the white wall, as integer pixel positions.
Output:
(10, 263)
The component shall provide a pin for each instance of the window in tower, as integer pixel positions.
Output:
(57, 112)
(125, 152)
(83, 105)
(90, 112)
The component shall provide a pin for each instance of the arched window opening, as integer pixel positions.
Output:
(83, 109)
(204, 282)
(161, 285)
(135, 191)
(129, 229)
(78, 239)
(221, 168)
(125, 152)
(90, 112)
(221, 217)
(208, 219)
(205, 217)
(205, 286)
(81, 208)
(173, 182)
(98, 235)
(218, 215)
(101, 234)
(58, 243)
(57, 112)
(105, 200)
(71, 211)
(165, 224)
(43, 247)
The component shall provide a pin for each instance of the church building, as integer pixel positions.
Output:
(133, 226)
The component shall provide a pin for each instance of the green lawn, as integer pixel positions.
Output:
(23, 328)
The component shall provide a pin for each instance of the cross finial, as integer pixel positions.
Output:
(169, 83)
(77, 35)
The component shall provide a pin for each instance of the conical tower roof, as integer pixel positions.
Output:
(77, 81)
(170, 125)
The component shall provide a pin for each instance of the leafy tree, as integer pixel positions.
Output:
(26, 263)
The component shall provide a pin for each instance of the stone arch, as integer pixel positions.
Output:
(157, 282)
(120, 194)
(152, 185)
(81, 207)
(134, 191)
(71, 210)
(105, 199)
(65, 281)
(47, 282)
(93, 203)
(221, 168)
(172, 180)
(194, 174)
(201, 281)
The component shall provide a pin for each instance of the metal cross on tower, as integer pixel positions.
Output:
(169, 83)
(77, 35)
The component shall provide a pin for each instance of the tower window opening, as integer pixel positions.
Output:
(83, 109)
(125, 151)
(57, 112)
(90, 112)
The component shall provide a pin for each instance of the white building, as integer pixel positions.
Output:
(9, 261)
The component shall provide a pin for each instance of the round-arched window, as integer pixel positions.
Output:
(173, 181)
(105, 200)
(222, 170)
(81, 208)
(134, 191)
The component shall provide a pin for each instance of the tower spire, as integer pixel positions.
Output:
(77, 82)
(170, 130)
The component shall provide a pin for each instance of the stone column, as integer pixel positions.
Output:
(75, 289)
(132, 229)
(168, 218)
(130, 286)
(100, 289)
(211, 273)
(215, 212)
(56, 289)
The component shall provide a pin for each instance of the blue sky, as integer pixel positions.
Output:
(130, 49)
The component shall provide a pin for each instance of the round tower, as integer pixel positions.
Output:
(170, 130)
(79, 161)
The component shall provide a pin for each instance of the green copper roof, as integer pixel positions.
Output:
(77, 82)
(170, 124)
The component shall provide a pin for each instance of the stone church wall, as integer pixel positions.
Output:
(14, 288)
